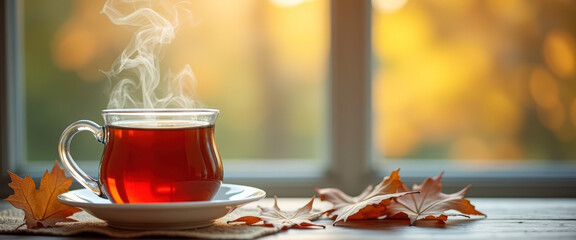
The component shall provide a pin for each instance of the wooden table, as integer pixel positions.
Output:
(507, 219)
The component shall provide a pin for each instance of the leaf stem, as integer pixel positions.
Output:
(20, 226)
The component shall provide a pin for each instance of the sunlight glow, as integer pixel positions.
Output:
(388, 6)
(287, 3)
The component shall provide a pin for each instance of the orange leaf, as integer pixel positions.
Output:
(274, 217)
(250, 220)
(41, 208)
(372, 203)
(431, 203)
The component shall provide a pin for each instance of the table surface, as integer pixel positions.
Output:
(508, 218)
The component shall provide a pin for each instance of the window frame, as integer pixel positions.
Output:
(349, 153)
(12, 120)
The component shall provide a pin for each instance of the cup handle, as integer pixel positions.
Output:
(66, 158)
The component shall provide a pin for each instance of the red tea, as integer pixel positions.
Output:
(144, 165)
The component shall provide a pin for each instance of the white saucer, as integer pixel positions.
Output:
(178, 215)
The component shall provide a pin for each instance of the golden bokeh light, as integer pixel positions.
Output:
(401, 33)
(560, 53)
(75, 49)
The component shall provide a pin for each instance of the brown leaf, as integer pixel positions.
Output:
(372, 203)
(274, 217)
(41, 208)
(431, 203)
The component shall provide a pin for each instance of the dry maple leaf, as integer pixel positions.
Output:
(274, 217)
(371, 203)
(431, 203)
(41, 208)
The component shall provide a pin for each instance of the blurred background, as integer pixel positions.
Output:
(474, 84)
(481, 84)
(262, 63)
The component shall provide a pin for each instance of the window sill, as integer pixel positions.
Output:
(288, 179)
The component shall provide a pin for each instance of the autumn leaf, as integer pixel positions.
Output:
(41, 208)
(431, 203)
(371, 203)
(274, 217)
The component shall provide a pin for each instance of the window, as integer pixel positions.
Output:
(262, 64)
(476, 88)
(322, 93)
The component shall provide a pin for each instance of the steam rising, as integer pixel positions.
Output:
(136, 72)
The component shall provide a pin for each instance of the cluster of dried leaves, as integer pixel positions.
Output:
(392, 199)
(389, 199)
(41, 208)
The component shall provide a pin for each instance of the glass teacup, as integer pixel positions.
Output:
(151, 155)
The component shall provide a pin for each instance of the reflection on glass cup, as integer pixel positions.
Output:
(151, 155)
